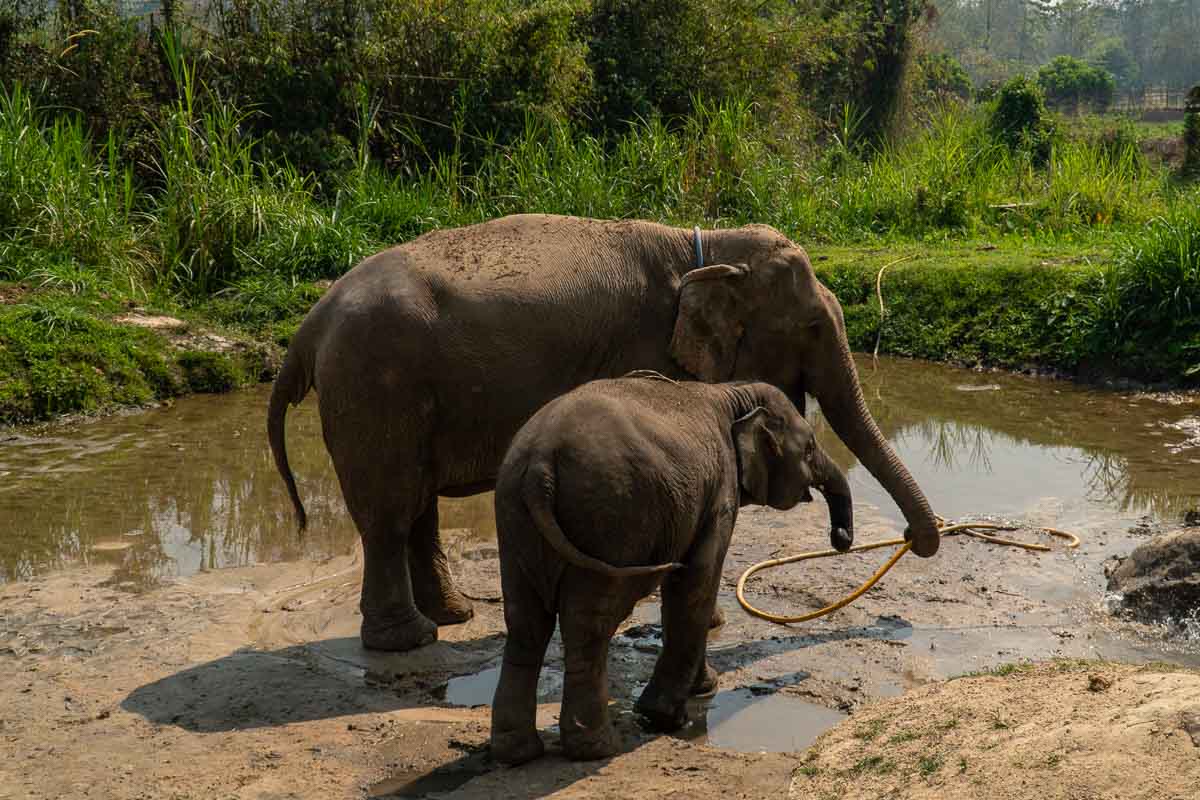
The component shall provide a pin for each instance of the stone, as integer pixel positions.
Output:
(1190, 722)
(1160, 578)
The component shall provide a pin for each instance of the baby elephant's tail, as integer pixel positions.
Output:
(539, 499)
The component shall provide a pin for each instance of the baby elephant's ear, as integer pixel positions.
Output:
(758, 451)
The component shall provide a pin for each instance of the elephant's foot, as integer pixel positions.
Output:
(448, 608)
(718, 618)
(659, 712)
(381, 633)
(590, 745)
(706, 682)
(514, 748)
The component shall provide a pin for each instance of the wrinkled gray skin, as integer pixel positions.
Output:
(605, 491)
(429, 356)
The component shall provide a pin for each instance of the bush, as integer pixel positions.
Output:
(1070, 83)
(1155, 314)
(942, 77)
(1018, 119)
(1191, 135)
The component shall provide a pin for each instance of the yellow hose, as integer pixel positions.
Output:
(970, 528)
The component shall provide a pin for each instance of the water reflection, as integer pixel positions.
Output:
(999, 443)
(175, 491)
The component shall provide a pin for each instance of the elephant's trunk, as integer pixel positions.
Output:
(832, 483)
(843, 404)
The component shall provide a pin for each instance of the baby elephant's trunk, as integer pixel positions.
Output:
(833, 485)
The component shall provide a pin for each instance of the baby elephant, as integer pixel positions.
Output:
(609, 490)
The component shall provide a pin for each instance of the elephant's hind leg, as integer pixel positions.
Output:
(384, 497)
(590, 609)
(391, 620)
(688, 600)
(433, 588)
(515, 738)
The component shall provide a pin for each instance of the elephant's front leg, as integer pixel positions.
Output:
(515, 738)
(433, 588)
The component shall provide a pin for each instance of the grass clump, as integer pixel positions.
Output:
(928, 764)
(57, 356)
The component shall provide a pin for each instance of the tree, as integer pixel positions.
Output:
(1072, 82)
(1111, 56)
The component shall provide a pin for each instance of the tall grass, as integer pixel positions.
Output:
(223, 211)
(1156, 311)
(63, 201)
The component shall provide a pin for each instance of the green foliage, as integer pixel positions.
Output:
(57, 356)
(58, 195)
(942, 77)
(1070, 83)
(1113, 57)
(1153, 315)
(1191, 141)
(210, 372)
(1018, 118)
(651, 57)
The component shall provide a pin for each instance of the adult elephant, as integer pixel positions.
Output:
(429, 356)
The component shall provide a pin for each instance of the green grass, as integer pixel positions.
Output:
(873, 764)
(871, 730)
(1090, 265)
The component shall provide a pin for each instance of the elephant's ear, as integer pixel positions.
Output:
(758, 451)
(708, 325)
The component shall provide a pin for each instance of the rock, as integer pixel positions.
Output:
(1160, 578)
(1190, 722)
(1191, 519)
(1098, 683)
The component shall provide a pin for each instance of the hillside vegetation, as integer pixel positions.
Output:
(222, 170)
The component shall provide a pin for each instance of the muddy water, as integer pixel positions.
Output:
(174, 491)
(179, 490)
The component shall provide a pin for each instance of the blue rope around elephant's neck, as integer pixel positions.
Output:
(699, 247)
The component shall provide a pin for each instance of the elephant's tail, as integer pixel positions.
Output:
(291, 385)
(539, 499)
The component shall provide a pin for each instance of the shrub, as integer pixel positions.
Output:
(942, 77)
(1018, 118)
(1191, 135)
(1070, 83)
(1156, 318)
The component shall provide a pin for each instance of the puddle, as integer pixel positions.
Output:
(175, 491)
(480, 688)
(171, 492)
(749, 722)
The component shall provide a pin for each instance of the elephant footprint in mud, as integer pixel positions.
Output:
(608, 491)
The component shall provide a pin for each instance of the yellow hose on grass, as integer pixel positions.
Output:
(969, 528)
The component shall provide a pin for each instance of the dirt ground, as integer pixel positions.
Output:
(250, 683)
(1061, 731)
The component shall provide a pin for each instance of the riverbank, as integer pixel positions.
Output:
(1010, 303)
(250, 683)
(160, 608)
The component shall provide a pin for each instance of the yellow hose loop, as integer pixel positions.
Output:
(969, 528)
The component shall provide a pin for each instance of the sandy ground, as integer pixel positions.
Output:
(1060, 731)
(250, 683)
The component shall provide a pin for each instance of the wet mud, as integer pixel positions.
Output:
(165, 633)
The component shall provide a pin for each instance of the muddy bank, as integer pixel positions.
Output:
(163, 632)
(249, 682)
